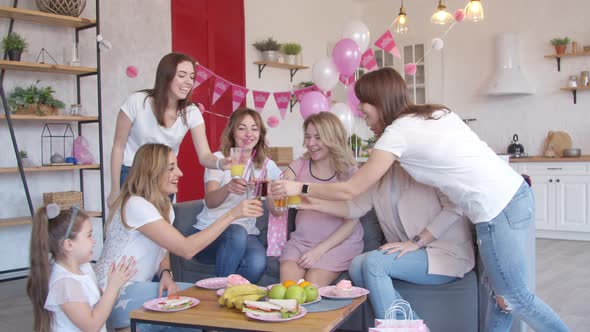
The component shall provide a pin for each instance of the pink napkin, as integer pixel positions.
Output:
(277, 234)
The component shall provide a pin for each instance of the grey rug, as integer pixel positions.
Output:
(327, 305)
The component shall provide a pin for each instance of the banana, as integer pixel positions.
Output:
(238, 301)
(239, 290)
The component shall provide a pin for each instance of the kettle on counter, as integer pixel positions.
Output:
(516, 149)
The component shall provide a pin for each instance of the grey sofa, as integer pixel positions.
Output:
(455, 307)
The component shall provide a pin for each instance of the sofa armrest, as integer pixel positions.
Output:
(186, 215)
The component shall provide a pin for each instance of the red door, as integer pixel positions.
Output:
(212, 31)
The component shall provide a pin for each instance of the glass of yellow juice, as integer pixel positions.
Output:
(238, 162)
(293, 202)
(280, 204)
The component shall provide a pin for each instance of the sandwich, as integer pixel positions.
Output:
(279, 309)
(175, 302)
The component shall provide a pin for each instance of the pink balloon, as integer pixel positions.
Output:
(312, 103)
(131, 71)
(459, 15)
(346, 56)
(353, 101)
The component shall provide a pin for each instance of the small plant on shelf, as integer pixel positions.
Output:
(305, 84)
(14, 45)
(560, 44)
(291, 50)
(23, 154)
(34, 100)
(269, 49)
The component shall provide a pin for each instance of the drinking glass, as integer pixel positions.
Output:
(293, 202)
(238, 162)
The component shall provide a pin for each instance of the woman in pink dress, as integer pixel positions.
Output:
(322, 245)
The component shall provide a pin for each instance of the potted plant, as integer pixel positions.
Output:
(24, 158)
(34, 100)
(560, 44)
(291, 50)
(269, 48)
(14, 45)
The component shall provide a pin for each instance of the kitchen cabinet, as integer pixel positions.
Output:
(562, 198)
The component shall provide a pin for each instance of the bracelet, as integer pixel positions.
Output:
(217, 164)
(169, 271)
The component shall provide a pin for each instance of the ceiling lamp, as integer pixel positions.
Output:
(401, 22)
(474, 12)
(442, 16)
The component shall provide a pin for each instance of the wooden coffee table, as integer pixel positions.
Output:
(210, 315)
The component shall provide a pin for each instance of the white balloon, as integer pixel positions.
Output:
(325, 74)
(358, 32)
(342, 111)
(437, 44)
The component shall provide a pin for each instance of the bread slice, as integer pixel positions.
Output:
(262, 305)
(288, 305)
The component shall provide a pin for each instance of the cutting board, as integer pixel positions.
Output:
(556, 142)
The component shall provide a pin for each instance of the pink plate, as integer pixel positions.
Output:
(153, 304)
(328, 291)
(212, 283)
(301, 313)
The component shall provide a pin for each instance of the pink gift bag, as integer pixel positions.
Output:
(392, 324)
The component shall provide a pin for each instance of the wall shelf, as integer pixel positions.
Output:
(8, 222)
(575, 90)
(49, 168)
(565, 55)
(292, 68)
(28, 117)
(46, 68)
(45, 18)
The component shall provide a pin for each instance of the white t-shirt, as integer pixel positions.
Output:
(121, 241)
(66, 287)
(448, 155)
(209, 216)
(145, 127)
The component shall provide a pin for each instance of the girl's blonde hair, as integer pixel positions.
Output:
(227, 137)
(333, 136)
(150, 164)
(47, 237)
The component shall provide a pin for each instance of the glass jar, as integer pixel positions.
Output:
(572, 82)
(585, 78)
(75, 109)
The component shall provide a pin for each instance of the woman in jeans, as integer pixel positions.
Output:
(436, 148)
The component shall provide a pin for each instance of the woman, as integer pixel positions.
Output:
(140, 225)
(322, 246)
(162, 115)
(436, 148)
(237, 249)
(428, 240)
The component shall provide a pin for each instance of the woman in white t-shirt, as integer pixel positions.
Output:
(162, 115)
(238, 249)
(140, 225)
(436, 148)
(65, 294)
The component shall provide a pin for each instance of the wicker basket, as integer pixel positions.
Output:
(65, 199)
(281, 155)
(37, 109)
(62, 7)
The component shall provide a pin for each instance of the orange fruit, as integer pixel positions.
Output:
(288, 283)
(304, 284)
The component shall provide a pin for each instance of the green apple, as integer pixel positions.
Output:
(311, 293)
(297, 293)
(277, 292)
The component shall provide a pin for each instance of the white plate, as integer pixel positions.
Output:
(155, 306)
(328, 291)
(212, 283)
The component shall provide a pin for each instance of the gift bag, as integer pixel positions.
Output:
(391, 323)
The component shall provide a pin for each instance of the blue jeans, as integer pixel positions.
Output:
(502, 243)
(234, 251)
(125, 171)
(133, 297)
(375, 271)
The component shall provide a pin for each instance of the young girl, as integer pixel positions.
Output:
(140, 225)
(163, 115)
(437, 149)
(237, 249)
(322, 245)
(65, 293)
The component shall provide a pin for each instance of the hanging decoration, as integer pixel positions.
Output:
(201, 75)
(346, 80)
(387, 43)
(260, 98)
(219, 88)
(437, 44)
(131, 71)
(272, 121)
(282, 99)
(368, 60)
(238, 94)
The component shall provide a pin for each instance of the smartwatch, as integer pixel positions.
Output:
(305, 189)
(418, 241)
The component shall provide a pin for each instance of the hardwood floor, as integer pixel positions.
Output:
(563, 282)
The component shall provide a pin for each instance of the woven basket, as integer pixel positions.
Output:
(65, 199)
(37, 109)
(62, 7)
(281, 154)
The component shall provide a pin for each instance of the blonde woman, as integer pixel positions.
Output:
(140, 225)
(322, 245)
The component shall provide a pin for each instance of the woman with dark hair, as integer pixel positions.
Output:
(163, 115)
(436, 148)
(237, 249)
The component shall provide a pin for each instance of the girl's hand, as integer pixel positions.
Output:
(122, 272)
(401, 247)
(237, 186)
(251, 208)
(282, 188)
(167, 284)
(308, 259)
(225, 163)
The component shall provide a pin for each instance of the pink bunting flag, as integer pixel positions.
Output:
(300, 92)
(387, 43)
(346, 80)
(201, 75)
(260, 98)
(368, 60)
(282, 99)
(221, 86)
(238, 93)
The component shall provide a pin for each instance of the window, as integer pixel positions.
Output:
(417, 83)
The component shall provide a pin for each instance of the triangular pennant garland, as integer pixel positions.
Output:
(221, 86)
(387, 43)
(282, 99)
(201, 75)
(238, 93)
(260, 98)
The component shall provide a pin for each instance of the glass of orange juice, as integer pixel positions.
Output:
(293, 202)
(238, 162)
(280, 204)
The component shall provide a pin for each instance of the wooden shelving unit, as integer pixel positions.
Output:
(28, 117)
(46, 68)
(575, 91)
(566, 55)
(292, 68)
(49, 168)
(45, 18)
(7, 222)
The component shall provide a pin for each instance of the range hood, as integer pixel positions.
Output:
(508, 77)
